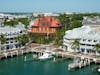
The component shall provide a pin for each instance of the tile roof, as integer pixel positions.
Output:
(46, 21)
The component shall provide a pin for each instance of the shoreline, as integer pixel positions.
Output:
(54, 51)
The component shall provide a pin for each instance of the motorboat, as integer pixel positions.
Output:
(98, 69)
(46, 56)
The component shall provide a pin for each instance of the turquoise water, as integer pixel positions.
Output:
(17, 66)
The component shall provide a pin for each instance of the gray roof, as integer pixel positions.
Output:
(84, 32)
(91, 21)
(8, 29)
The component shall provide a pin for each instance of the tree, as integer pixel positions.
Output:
(24, 21)
(97, 48)
(75, 44)
(64, 20)
(75, 24)
(59, 36)
(77, 17)
(2, 40)
(22, 39)
(11, 22)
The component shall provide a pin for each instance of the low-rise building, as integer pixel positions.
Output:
(91, 21)
(44, 25)
(10, 33)
(88, 36)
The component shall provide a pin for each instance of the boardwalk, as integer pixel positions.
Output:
(72, 55)
(54, 50)
(79, 63)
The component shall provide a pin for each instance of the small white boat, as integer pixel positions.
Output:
(99, 70)
(46, 56)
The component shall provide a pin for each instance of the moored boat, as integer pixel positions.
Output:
(45, 56)
(98, 69)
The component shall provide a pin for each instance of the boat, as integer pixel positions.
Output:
(98, 69)
(45, 56)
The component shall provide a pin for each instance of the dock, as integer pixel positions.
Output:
(79, 63)
(57, 52)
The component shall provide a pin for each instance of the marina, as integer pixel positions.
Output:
(40, 50)
(12, 66)
(50, 44)
(55, 55)
(79, 63)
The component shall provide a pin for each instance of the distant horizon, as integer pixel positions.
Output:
(78, 6)
(50, 12)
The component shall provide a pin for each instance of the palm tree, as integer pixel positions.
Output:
(2, 40)
(64, 20)
(23, 39)
(97, 48)
(75, 44)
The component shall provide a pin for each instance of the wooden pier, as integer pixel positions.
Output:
(40, 49)
(54, 51)
(79, 63)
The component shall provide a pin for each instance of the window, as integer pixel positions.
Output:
(66, 39)
(7, 39)
(82, 44)
(95, 40)
(7, 42)
(20, 31)
(11, 38)
(92, 45)
(89, 40)
(84, 39)
(88, 45)
(11, 42)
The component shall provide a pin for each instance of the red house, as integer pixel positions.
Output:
(44, 25)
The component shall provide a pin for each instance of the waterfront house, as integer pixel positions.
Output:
(10, 33)
(44, 25)
(88, 36)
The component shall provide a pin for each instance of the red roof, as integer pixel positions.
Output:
(46, 21)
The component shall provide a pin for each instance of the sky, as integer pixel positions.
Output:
(49, 5)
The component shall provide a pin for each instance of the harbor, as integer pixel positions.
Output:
(58, 52)
(12, 66)
(84, 60)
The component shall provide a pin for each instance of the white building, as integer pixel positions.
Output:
(88, 35)
(45, 14)
(91, 21)
(10, 33)
(88, 38)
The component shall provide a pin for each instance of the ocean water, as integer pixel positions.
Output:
(17, 66)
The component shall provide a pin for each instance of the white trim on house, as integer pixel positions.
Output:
(88, 36)
(10, 33)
